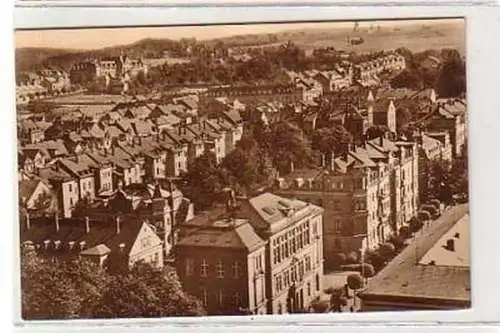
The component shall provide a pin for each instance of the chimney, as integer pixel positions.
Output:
(56, 220)
(87, 224)
(118, 224)
(450, 244)
(292, 167)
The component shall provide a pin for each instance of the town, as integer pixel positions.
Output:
(236, 180)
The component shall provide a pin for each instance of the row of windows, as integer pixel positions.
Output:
(220, 269)
(289, 276)
(220, 296)
(291, 242)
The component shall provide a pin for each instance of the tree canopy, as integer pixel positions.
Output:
(81, 289)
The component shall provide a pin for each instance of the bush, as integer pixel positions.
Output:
(436, 203)
(405, 232)
(398, 242)
(387, 250)
(355, 281)
(319, 306)
(424, 215)
(374, 258)
(367, 270)
(415, 225)
(352, 258)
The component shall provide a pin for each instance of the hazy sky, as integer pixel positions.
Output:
(98, 38)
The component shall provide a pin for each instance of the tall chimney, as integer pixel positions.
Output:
(87, 224)
(118, 222)
(56, 220)
(292, 167)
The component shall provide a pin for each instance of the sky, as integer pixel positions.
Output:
(98, 38)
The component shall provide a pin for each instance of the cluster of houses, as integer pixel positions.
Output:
(367, 73)
(102, 186)
(40, 85)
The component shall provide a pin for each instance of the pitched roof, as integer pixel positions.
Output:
(99, 233)
(224, 233)
(404, 278)
(27, 188)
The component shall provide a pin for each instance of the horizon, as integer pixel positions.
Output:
(88, 39)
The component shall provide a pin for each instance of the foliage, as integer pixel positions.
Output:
(376, 131)
(330, 139)
(40, 107)
(415, 225)
(404, 232)
(424, 215)
(81, 289)
(431, 209)
(408, 78)
(319, 306)
(355, 281)
(398, 242)
(288, 145)
(374, 258)
(451, 81)
(204, 181)
(387, 250)
(367, 270)
(440, 181)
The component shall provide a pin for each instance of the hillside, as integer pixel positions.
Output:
(415, 37)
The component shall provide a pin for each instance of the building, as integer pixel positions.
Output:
(432, 273)
(277, 242)
(120, 243)
(254, 94)
(293, 231)
(221, 260)
(113, 67)
(368, 193)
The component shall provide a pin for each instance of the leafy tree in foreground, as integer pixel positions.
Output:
(329, 139)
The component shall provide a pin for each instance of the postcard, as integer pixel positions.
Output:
(245, 169)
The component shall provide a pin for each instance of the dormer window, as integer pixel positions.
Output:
(46, 244)
(82, 245)
(57, 244)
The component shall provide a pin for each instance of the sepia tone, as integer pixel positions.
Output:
(243, 170)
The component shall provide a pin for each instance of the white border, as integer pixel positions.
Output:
(483, 52)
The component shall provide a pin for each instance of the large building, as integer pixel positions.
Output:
(432, 273)
(368, 194)
(274, 243)
(114, 67)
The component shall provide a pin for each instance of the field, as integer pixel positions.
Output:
(416, 38)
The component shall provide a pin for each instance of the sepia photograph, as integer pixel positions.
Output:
(244, 169)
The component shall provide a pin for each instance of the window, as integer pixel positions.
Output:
(317, 282)
(84, 187)
(189, 266)
(308, 288)
(220, 269)
(237, 299)
(204, 267)
(220, 297)
(308, 264)
(204, 297)
(286, 278)
(236, 269)
(70, 188)
(338, 226)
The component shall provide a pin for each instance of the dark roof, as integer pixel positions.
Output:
(99, 233)
(233, 233)
(404, 278)
(27, 187)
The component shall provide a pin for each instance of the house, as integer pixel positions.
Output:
(293, 233)
(221, 260)
(36, 197)
(384, 113)
(116, 244)
(65, 187)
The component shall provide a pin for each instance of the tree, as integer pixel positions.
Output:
(387, 250)
(440, 180)
(367, 270)
(451, 81)
(403, 116)
(404, 232)
(415, 225)
(355, 282)
(374, 258)
(146, 292)
(352, 258)
(203, 181)
(330, 139)
(288, 146)
(398, 242)
(337, 298)
(409, 78)
(58, 290)
(376, 131)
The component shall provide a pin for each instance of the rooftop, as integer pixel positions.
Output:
(406, 277)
